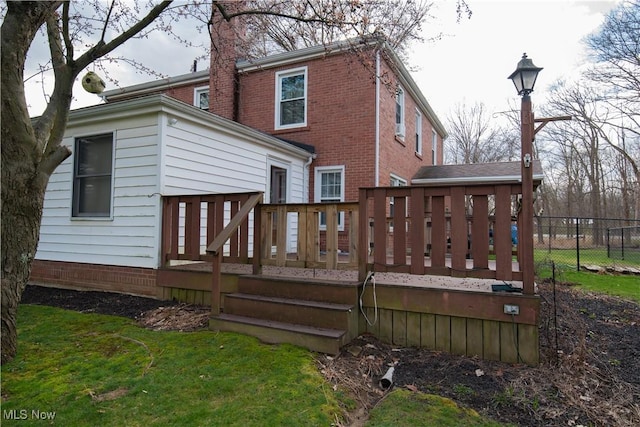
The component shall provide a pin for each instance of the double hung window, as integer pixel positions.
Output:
(329, 188)
(291, 98)
(92, 174)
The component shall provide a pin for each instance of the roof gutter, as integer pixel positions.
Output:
(503, 179)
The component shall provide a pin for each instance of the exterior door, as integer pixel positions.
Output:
(278, 190)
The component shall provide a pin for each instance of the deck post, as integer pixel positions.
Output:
(216, 283)
(363, 250)
(525, 248)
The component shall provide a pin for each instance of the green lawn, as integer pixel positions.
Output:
(99, 370)
(622, 285)
(404, 408)
(587, 257)
(75, 369)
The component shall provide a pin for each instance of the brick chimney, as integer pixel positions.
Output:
(226, 38)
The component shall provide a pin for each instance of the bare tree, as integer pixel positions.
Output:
(476, 137)
(399, 21)
(616, 50)
(79, 34)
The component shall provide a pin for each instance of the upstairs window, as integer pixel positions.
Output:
(92, 173)
(418, 132)
(201, 97)
(400, 112)
(291, 98)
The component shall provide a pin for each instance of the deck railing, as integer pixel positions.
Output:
(316, 235)
(460, 231)
(191, 223)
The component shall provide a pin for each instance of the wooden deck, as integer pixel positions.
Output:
(457, 315)
(271, 270)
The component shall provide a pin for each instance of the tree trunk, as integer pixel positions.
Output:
(22, 200)
(23, 183)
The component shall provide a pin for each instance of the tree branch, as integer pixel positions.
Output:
(45, 123)
(317, 20)
(65, 31)
(106, 21)
(102, 48)
(51, 161)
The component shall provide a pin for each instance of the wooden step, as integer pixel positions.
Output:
(322, 340)
(310, 313)
(299, 288)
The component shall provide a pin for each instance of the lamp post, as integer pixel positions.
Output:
(524, 79)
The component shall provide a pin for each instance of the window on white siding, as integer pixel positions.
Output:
(418, 132)
(400, 112)
(434, 148)
(329, 188)
(201, 97)
(291, 98)
(92, 173)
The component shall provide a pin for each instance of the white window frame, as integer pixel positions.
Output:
(196, 97)
(75, 210)
(319, 171)
(271, 161)
(278, 96)
(434, 147)
(400, 122)
(394, 181)
(418, 132)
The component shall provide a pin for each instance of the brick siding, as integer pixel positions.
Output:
(128, 280)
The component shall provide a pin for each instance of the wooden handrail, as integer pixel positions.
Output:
(233, 225)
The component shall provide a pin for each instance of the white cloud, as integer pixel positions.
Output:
(473, 63)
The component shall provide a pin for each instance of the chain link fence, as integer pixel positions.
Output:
(587, 242)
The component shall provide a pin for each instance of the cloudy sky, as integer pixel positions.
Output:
(470, 64)
(473, 62)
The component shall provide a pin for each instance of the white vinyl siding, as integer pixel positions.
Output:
(158, 152)
(130, 236)
(197, 160)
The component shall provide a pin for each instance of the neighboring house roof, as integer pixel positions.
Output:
(285, 58)
(475, 173)
(156, 85)
(180, 110)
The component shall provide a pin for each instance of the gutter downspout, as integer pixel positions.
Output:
(306, 179)
(377, 142)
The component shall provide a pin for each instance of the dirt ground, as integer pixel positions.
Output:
(589, 372)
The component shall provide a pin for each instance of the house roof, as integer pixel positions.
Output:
(182, 111)
(475, 173)
(156, 85)
(285, 58)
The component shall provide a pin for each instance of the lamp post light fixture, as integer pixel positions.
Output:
(524, 79)
(525, 75)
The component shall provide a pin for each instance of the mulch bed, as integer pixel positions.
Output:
(589, 372)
